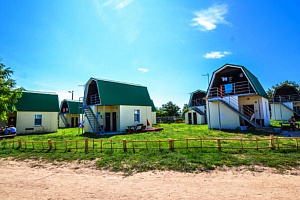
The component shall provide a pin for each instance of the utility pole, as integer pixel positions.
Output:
(71, 91)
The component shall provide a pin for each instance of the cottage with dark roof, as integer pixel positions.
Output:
(70, 113)
(197, 108)
(236, 98)
(111, 106)
(36, 113)
(285, 103)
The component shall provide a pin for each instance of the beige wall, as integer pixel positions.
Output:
(229, 119)
(26, 120)
(280, 113)
(127, 116)
(153, 118)
(200, 118)
(69, 116)
(102, 110)
(261, 107)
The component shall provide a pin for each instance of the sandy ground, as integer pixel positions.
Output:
(37, 180)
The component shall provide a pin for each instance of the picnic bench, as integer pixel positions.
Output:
(287, 125)
(136, 128)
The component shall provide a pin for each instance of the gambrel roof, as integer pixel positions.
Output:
(75, 107)
(38, 101)
(251, 78)
(117, 93)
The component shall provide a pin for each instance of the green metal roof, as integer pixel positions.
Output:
(38, 101)
(75, 107)
(116, 93)
(253, 79)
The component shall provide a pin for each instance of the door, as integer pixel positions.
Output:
(72, 122)
(76, 121)
(12, 121)
(107, 122)
(195, 118)
(190, 118)
(114, 121)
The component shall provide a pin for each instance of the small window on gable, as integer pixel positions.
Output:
(137, 116)
(38, 120)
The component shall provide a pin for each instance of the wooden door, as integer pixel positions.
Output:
(72, 122)
(114, 121)
(195, 118)
(76, 121)
(107, 122)
(190, 118)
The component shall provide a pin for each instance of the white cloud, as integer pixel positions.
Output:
(216, 54)
(208, 19)
(143, 70)
(117, 4)
(123, 4)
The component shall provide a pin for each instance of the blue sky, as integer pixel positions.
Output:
(166, 45)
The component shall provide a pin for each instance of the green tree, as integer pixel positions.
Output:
(171, 109)
(8, 93)
(271, 90)
(161, 113)
(185, 110)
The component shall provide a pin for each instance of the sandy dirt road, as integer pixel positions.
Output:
(37, 180)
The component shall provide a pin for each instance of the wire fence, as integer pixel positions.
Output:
(171, 144)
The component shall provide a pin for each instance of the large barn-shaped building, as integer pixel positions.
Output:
(111, 106)
(197, 108)
(70, 113)
(286, 103)
(36, 113)
(236, 98)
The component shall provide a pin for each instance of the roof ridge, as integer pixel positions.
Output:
(40, 92)
(119, 82)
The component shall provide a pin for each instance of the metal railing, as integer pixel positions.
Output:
(94, 99)
(197, 102)
(245, 112)
(286, 98)
(243, 87)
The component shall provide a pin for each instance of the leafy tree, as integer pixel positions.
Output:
(185, 109)
(161, 113)
(8, 93)
(271, 90)
(171, 109)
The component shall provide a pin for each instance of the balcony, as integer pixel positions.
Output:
(237, 88)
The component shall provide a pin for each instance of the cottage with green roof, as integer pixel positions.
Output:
(36, 113)
(236, 98)
(111, 106)
(70, 113)
(197, 108)
(286, 103)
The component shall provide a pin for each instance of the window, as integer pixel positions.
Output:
(136, 116)
(38, 120)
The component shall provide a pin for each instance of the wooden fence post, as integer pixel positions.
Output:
(50, 143)
(219, 144)
(86, 144)
(171, 144)
(124, 145)
(272, 145)
(19, 143)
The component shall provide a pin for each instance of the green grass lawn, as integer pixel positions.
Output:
(187, 160)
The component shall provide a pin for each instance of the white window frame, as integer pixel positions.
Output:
(38, 117)
(137, 113)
